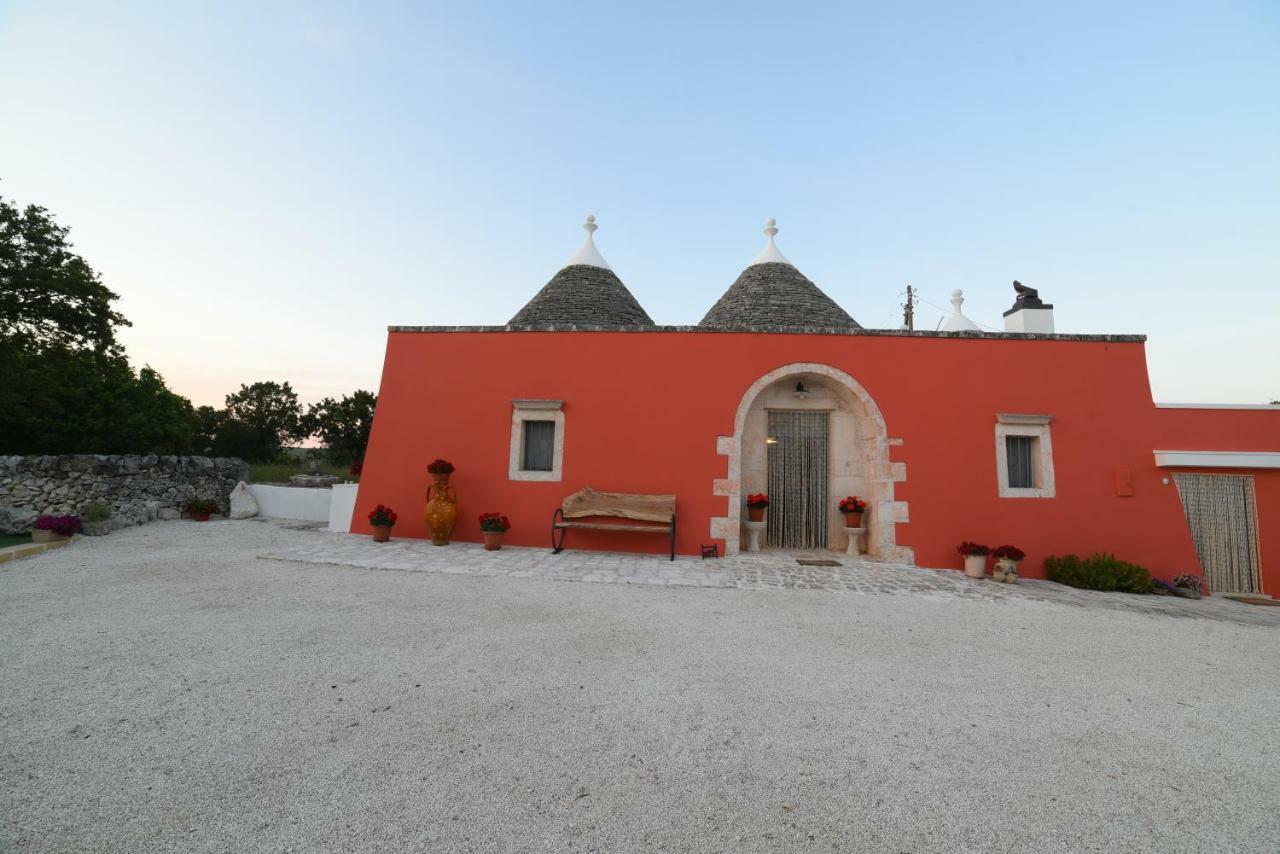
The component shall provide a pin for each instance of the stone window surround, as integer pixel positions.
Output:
(1037, 427)
(523, 410)
(885, 513)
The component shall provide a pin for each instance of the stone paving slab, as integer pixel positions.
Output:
(764, 571)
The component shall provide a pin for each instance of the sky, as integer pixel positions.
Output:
(268, 186)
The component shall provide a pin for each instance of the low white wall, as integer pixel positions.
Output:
(292, 502)
(342, 506)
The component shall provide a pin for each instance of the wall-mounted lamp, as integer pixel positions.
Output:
(771, 440)
(801, 391)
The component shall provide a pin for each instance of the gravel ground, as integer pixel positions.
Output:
(165, 690)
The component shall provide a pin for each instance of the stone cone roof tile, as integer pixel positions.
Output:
(583, 295)
(778, 296)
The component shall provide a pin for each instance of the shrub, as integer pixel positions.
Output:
(198, 506)
(439, 466)
(853, 504)
(1191, 582)
(1101, 571)
(63, 526)
(756, 500)
(967, 549)
(96, 511)
(382, 515)
(1012, 553)
(494, 523)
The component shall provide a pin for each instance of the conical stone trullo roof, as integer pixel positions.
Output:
(584, 293)
(772, 293)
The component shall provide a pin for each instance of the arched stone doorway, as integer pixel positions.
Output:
(857, 457)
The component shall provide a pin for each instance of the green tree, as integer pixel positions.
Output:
(50, 296)
(342, 426)
(58, 400)
(65, 384)
(266, 416)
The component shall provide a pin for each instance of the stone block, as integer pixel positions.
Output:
(243, 504)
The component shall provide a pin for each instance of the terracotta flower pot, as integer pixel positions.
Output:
(975, 566)
(200, 517)
(442, 510)
(492, 540)
(756, 514)
(381, 533)
(853, 520)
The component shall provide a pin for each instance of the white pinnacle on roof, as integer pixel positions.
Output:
(770, 254)
(588, 254)
(957, 322)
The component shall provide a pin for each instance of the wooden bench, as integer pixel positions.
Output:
(656, 514)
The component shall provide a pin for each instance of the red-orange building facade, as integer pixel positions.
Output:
(918, 425)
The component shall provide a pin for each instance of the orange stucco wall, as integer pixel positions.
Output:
(643, 410)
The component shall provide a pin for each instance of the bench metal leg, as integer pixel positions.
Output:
(673, 537)
(557, 533)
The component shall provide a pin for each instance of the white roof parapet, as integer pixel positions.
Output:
(770, 253)
(588, 254)
(1218, 459)
(1259, 406)
(957, 322)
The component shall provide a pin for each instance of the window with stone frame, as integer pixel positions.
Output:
(537, 440)
(1024, 456)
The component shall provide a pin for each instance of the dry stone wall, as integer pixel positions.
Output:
(139, 488)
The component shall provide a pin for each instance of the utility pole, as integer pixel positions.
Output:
(909, 310)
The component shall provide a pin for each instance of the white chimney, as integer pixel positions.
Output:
(1029, 312)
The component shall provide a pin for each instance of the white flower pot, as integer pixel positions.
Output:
(1006, 570)
(975, 566)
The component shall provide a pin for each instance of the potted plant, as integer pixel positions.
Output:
(97, 518)
(381, 520)
(440, 471)
(201, 509)
(493, 526)
(853, 507)
(975, 558)
(757, 503)
(1007, 559)
(50, 529)
(1188, 586)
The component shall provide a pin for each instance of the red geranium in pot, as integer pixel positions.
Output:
(493, 526)
(853, 507)
(757, 503)
(975, 558)
(382, 519)
(1007, 559)
(440, 471)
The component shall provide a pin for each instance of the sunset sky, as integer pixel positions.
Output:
(269, 185)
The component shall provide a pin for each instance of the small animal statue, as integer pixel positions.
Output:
(1027, 297)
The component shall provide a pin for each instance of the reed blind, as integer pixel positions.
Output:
(1020, 451)
(539, 445)
(799, 496)
(1223, 517)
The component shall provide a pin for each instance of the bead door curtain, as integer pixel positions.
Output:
(799, 497)
(1224, 525)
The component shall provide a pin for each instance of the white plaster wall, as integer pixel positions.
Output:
(292, 502)
(342, 505)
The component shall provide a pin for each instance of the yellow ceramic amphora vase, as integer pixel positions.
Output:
(442, 509)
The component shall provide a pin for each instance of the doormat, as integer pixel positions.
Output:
(804, 562)
(1251, 600)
